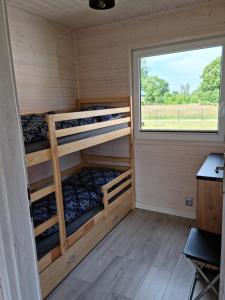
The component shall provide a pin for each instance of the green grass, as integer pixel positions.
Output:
(182, 117)
(181, 125)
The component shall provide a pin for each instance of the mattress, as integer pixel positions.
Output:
(33, 147)
(44, 245)
(82, 198)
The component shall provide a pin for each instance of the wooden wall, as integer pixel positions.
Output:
(44, 170)
(44, 61)
(17, 244)
(103, 51)
(165, 171)
(166, 174)
(45, 69)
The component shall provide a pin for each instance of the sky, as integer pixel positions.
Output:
(183, 67)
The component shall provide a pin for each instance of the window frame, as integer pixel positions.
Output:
(137, 54)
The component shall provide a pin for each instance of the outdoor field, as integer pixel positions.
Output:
(180, 117)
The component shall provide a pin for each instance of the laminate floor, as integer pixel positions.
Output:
(140, 259)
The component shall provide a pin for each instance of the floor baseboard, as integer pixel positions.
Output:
(166, 210)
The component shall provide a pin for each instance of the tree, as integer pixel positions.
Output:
(154, 88)
(211, 76)
(209, 89)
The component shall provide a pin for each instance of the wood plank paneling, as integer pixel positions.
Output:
(103, 56)
(165, 171)
(165, 175)
(45, 63)
(17, 245)
(45, 68)
(44, 170)
(103, 51)
(77, 13)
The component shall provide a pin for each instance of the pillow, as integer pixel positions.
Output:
(105, 117)
(74, 123)
(67, 124)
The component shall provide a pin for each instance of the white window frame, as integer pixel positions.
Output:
(136, 56)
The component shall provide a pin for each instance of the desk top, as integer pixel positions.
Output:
(208, 169)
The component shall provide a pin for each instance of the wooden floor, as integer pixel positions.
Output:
(140, 259)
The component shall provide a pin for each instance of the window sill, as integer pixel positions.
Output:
(176, 143)
(179, 136)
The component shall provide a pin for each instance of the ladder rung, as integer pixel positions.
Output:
(35, 196)
(44, 226)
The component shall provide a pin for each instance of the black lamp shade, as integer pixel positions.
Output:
(101, 4)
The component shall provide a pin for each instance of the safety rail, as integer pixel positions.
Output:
(109, 190)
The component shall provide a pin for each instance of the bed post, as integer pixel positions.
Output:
(57, 181)
(131, 151)
(105, 201)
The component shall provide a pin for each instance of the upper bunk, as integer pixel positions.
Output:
(96, 121)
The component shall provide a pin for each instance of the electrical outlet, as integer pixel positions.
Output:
(188, 201)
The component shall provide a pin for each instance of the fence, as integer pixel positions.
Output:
(179, 112)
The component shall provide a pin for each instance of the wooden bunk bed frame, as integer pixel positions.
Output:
(41, 156)
(57, 263)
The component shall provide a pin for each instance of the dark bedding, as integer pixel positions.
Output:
(81, 193)
(35, 128)
(44, 144)
(82, 200)
(46, 244)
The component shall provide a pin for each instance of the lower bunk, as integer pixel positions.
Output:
(95, 199)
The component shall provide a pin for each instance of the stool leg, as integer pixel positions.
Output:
(206, 279)
(208, 287)
(193, 286)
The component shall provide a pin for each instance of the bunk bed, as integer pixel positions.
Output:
(103, 131)
(76, 208)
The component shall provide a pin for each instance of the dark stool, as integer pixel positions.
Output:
(203, 249)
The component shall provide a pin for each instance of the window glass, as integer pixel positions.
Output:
(181, 91)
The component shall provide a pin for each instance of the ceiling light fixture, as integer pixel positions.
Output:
(101, 4)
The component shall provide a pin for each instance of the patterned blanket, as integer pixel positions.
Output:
(81, 193)
(35, 128)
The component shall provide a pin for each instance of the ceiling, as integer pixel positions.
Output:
(77, 14)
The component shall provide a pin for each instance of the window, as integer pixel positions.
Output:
(178, 89)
